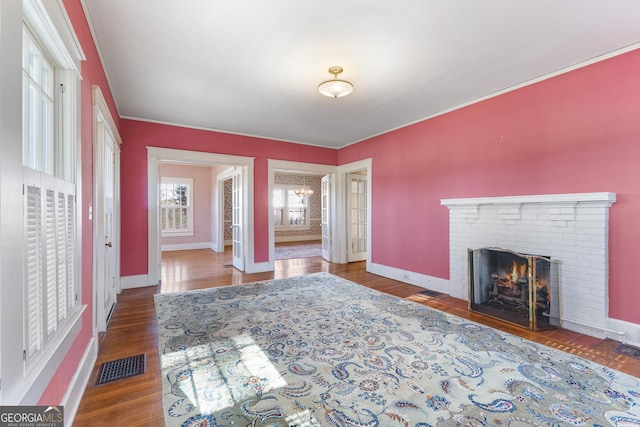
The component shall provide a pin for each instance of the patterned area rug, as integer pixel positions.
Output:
(318, 350)
(301, 250)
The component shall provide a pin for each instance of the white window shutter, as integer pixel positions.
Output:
(61, 233)
(33, 271)
(50, 262)
(71, 226)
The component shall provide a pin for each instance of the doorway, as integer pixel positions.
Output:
(106, 205)
(322, 210)
(357, 216)
(243, 167)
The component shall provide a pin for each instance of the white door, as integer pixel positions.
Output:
(326, 230)
(237, 219)
(106, 226)
(357, 217)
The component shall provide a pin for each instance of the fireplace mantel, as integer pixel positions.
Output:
(607, 198)
(572, 229)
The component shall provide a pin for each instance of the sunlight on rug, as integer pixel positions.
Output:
(318, 350)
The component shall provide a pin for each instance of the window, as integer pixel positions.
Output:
(289, 209)
(176, 206)
(48, 154)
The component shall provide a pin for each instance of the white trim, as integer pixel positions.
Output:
(101, 104)
(258, 267)
(103, 124)
(156, 155)
(39, 378)
(413, 278)
(137, 281)
(609, 198)
(341, 208)
(530, 82)
(61, 43)
(227, 132)
(188, 246)
(630, 332)
(539, 79)
(73, 396)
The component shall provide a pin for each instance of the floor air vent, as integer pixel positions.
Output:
(430, 293)
(628, 350)
(122, 368)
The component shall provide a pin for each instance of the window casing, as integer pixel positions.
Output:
(290, 211)
(51, 253)
(176, 207)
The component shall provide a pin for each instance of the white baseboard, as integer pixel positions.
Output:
(258, 267)
(75, 391)
(428, 282)
(138, 281)
(625, 332)
(188, 246)
(283, 239)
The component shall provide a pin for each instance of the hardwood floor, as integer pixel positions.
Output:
(137, 401)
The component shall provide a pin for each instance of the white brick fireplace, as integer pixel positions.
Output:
(572, 229)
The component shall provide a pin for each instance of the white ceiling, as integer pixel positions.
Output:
(252, 67)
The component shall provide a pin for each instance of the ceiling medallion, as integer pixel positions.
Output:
(335, 88)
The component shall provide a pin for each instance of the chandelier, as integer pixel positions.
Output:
(304, 190)
(335, 88)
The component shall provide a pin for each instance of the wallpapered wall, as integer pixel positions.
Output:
(315, 213)
(228, 210)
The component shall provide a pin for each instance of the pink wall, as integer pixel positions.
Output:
(92, 74)
(138, 135)
(577, 132)
(202, 202)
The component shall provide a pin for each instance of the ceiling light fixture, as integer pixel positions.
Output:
(335, 88)
(304, 191)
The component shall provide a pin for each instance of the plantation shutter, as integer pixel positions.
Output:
(61, 234)
(50, 262)
(70, 233)
(50, 267)
(33, 271)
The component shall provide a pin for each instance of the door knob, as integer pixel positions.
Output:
(108, 244)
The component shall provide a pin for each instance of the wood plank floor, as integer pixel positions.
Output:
(137, 401)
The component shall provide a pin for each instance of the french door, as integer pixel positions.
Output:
(357, 197)
(326, 225)
(237, 223)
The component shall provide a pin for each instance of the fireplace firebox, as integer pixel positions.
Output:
(517, 288)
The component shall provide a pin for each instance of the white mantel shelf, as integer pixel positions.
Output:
(608, 198)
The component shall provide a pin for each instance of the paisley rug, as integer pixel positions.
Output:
(318, 350)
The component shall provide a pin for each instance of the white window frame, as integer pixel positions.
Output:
(49, 188)
(189, 230)
(289, 190)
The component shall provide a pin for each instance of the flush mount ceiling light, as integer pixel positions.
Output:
(335, 88)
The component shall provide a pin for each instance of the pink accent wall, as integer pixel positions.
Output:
(138, 135)
(202, 202)
(92, 74)
(577, 132)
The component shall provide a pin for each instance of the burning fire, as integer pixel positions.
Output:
(517, 271)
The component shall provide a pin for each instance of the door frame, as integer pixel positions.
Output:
(103, 122)
(219, 206)
(299, 167)
(156, 155)
(342, 214)
(349, 178)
